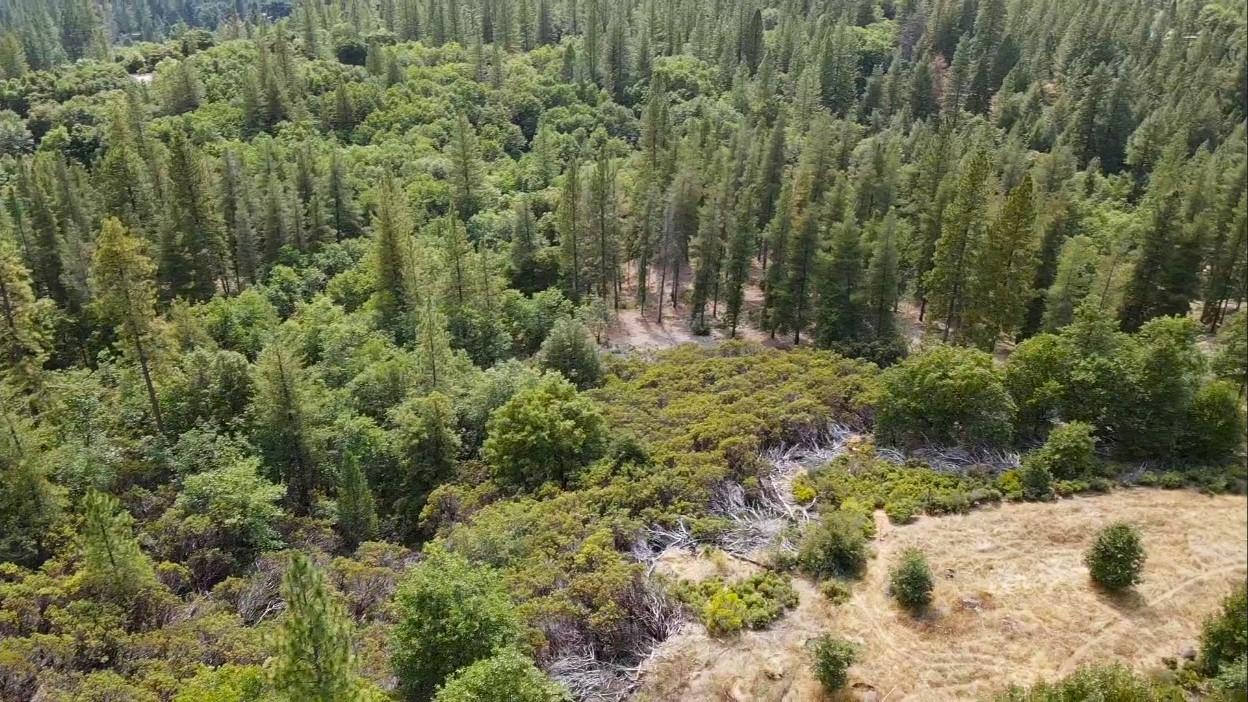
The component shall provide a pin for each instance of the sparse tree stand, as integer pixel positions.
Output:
(126, 295)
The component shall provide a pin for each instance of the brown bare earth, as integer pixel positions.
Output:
(1013, 604)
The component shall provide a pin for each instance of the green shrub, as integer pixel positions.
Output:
(947, 394)
(1114, 683)
(545, 433)
(1066, 488)
(1010, 483)
(1037, 480)
(1172, 480)
(1224, 638)
(1149, 478)
(836, 591)
(724, 613)
(835, 546)
(1117, 557)
(832, 658)
(902, 511)
(1215, 423)
(1069, 453)
(451, 614)
(751, 603)
(507, 676)
(570, 350)
(910, 580)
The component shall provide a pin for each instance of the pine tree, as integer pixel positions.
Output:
(314, 661)
(357, 509)
(840, 313)
(779, 231)
(82, 32)
(524, 246)
(793, 313)
(236, 207)
(342, 117)
(455, 260)
(466, 171)
(1005, 270)
(714, 224)
(1228, 262)
(433, 347)
(603, 227)
(770, 176)
(570, 225)
(950, 279)
(882, 283)
(286, 426)
(23, 342)
(123, 178)
(112, 561)
(1072, 281)
(124, 282)
(1165, 278)
(343, 212)
(75, 225)
(44, 255)
(741, 247)
(391, 232)
(193, 260)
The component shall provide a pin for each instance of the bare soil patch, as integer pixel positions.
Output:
(1013, 604)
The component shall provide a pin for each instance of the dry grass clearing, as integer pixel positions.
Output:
(1013, 604)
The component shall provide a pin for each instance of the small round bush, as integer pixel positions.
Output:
(910, 581)
(835, 546)
(833, 657)
(1117, 557)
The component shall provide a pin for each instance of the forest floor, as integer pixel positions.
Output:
(1013, 604)
(632, 329)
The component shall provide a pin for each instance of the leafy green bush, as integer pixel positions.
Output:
(544, 433)
(1172, 480)
(901, 511)
(1036, 479)
(1215, 423)
(1113, 682)
(834, 546)
(451, 614)
(571, 351)
(946, 394)
(1224, 638)
(1117, 557)
(836, 591)
(858, 482)
(507, 676)
(832, 658)
(724, 613)
(1069, 453)
(910, 580)
(751, 603)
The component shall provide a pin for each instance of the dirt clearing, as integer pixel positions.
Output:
(1012, 604)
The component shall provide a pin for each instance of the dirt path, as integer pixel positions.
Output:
(1013, 604)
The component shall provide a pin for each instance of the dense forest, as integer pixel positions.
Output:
(311, 376)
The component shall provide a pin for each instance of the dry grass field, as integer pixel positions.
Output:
(1013, 604)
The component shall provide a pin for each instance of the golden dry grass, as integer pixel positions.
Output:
(1012, 604)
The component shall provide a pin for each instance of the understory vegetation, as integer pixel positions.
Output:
(319, 320)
